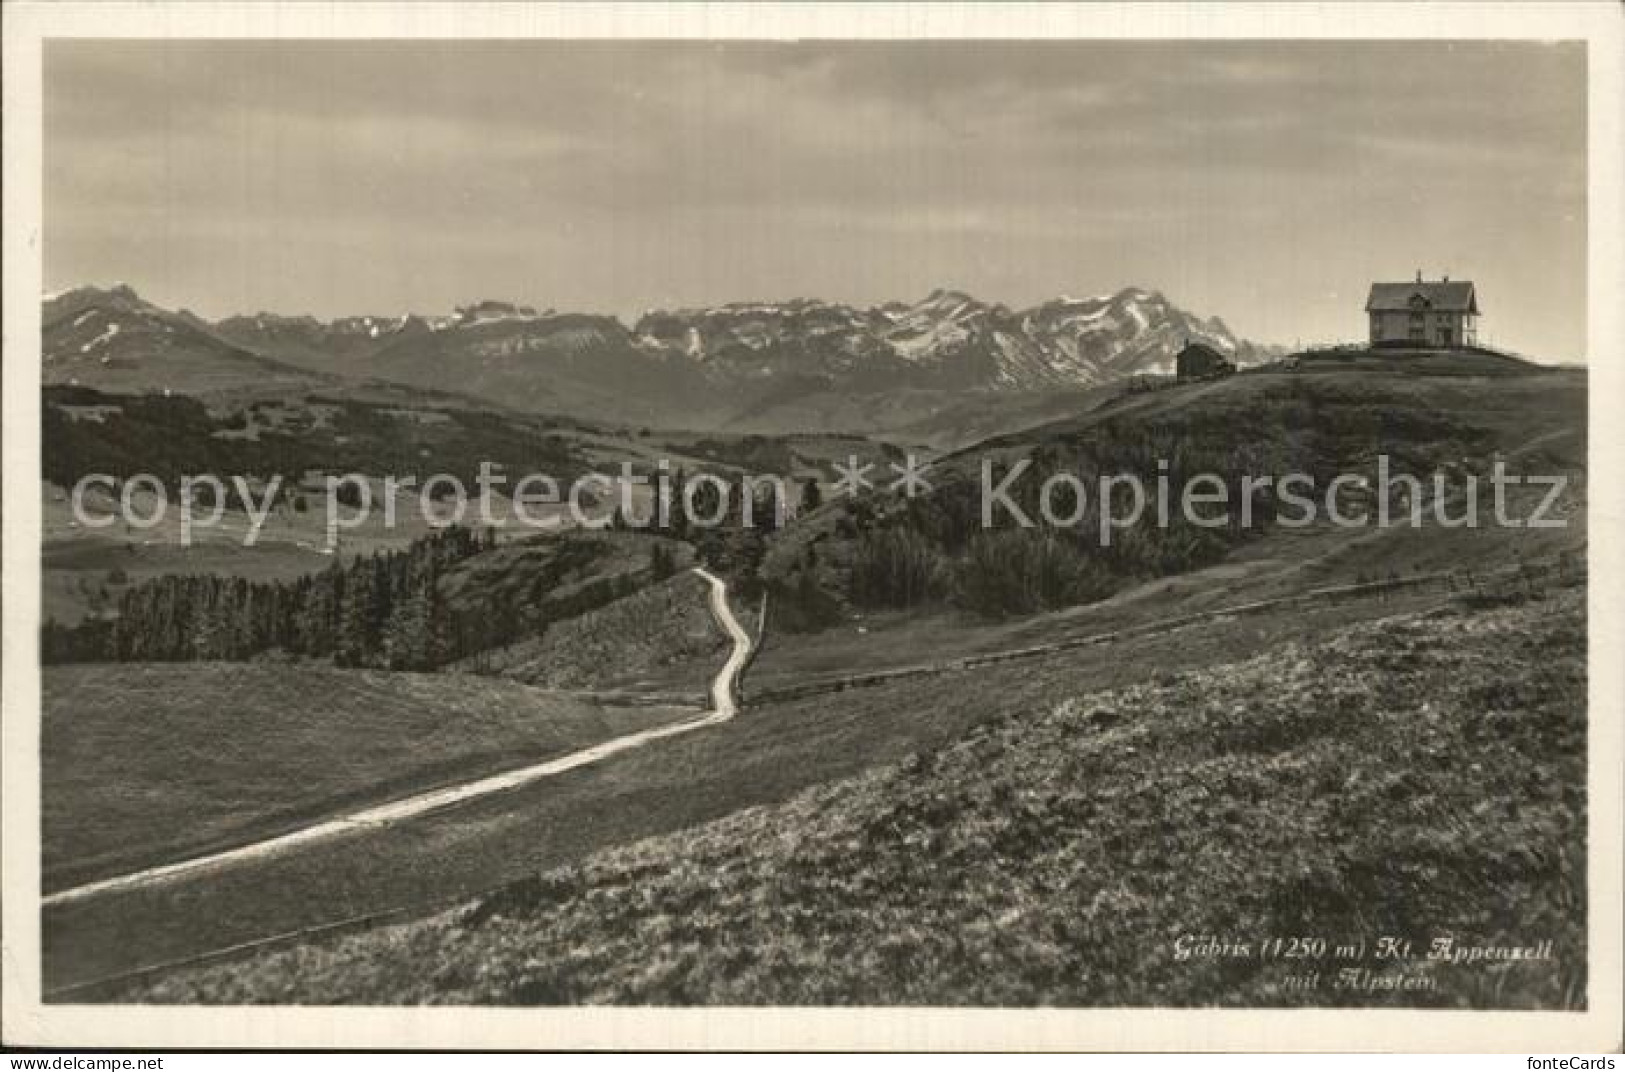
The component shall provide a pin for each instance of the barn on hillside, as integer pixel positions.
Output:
(1199, 361)
(1442, 314)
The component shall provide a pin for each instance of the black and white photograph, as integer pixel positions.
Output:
(1087, 519)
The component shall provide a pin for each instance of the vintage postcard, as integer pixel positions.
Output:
(813, 526)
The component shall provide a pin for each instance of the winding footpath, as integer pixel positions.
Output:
(723, 708)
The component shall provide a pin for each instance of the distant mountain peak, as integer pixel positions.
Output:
(721, 356)
(488, 310)
(88, 293)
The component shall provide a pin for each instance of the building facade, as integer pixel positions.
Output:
(1442, 314)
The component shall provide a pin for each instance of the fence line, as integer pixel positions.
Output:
(1453, 578)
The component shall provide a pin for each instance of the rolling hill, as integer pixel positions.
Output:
(1064, 847)
(1160, 741)
(881, 552)
(1082, 764)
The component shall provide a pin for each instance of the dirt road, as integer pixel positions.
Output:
(723, 707)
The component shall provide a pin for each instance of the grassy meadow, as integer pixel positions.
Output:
(1387, 777)
(149, 763)
(660, 639)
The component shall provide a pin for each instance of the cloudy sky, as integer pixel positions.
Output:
(1268, 183)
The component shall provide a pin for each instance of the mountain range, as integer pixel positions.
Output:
(803, 365)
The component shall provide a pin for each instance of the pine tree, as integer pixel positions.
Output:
(811, 497)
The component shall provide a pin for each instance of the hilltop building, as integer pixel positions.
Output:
(1441, 314)
(1199, 361)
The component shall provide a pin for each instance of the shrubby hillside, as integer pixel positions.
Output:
(882, 550)
(662, 634)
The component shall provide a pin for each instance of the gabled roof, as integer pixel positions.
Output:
(1201, 348)
(1454, 296)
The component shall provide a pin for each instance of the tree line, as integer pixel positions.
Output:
(387, 610)
(934, 550)
(381, 610)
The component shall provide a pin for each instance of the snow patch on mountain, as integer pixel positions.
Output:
(946, 340)
(105, 337)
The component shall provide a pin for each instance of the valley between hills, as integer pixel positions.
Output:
(968, 766)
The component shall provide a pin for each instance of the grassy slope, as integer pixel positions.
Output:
(768, 754)
(1414, 776)
(1537, 422)
(1278, 563)
(659, 639)
(148, 763)
(550, 567)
